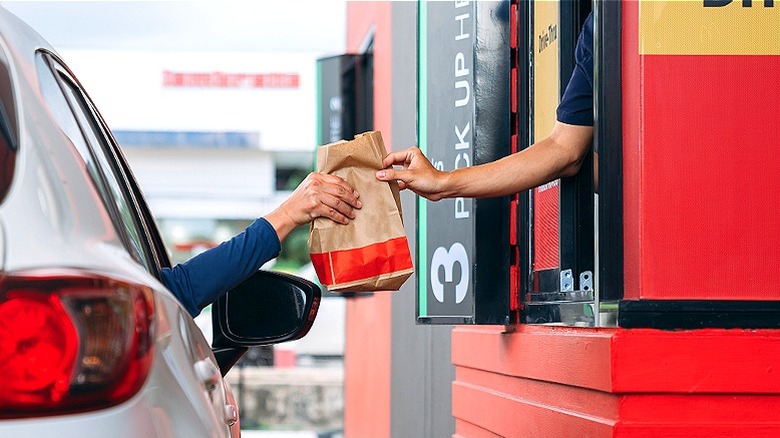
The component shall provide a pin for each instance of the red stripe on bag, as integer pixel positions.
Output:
(321, 263)
(369, 261)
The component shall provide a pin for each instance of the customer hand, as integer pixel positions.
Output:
(417, 175)
(319, 195)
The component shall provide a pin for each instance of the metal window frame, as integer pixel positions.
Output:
(576, 223)
(576, 197)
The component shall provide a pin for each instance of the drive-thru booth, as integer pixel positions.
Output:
(639, 298)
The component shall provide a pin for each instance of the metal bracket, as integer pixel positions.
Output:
(586, 281)
(567, 306)
(567, 281)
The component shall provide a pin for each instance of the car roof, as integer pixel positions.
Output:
(84, 237)
(19, 44)
(19, 35)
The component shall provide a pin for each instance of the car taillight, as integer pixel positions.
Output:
(71, 341)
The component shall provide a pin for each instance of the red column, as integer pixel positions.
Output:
(367, 349)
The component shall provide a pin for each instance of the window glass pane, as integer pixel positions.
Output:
(8, 137)
(110, 188)
(61, 111)
(7, 158)
(115, 181)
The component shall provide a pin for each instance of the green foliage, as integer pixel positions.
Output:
(295, 249)
(296, 178)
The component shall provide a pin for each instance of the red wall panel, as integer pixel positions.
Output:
(710, 189)
(368, 336)
(367, 367)
(701, 137)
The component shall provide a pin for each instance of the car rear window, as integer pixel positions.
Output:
(8, 128)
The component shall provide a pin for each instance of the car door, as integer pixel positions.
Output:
(136, 227)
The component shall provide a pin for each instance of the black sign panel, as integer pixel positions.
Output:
(464, 120)
(344, 97)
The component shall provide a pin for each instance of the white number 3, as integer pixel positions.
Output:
(447, 259)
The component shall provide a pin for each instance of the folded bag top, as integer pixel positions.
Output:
(370, 253)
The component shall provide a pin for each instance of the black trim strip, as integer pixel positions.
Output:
(608, 146)
(698, 314)
(546, 280)
(446, 320)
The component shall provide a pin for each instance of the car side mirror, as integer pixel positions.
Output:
(267, 308)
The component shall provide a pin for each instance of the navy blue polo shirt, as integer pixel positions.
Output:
(576, 106)
(202, 279)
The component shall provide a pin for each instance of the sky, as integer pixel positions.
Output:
(189, 25)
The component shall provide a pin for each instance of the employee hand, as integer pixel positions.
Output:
(319, 195)
(417, 175)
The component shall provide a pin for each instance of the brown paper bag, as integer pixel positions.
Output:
(371, 252)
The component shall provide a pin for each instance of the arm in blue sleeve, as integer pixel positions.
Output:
(204, 278)
(576, 106)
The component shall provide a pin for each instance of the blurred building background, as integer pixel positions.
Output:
(214, 106)
(216, 139)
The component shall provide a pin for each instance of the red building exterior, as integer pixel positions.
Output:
(687, 345)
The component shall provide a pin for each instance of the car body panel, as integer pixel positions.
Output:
(54, 217)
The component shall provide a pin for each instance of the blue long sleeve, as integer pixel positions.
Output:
(204, 278)
(576, 106)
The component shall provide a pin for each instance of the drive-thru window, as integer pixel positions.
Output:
(638, 297)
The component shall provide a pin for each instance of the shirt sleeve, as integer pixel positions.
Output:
(576, 106)
(202, 279)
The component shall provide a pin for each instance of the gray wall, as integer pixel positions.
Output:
(421, 368)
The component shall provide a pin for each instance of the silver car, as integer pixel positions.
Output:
(91, 343)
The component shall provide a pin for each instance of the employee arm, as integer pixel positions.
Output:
(560, 154)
